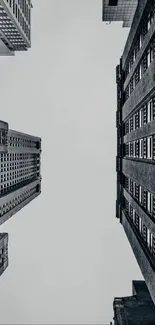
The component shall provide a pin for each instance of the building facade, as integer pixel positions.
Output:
(135, 161)
(3, 252)
(20, 170)
(15, 26)
(119, 10)
(137, 309)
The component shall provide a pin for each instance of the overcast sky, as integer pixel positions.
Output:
(68, 254)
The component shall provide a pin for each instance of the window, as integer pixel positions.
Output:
(140, 40)
(141, 148)
(140, 225)
(133, 188)
(134, 149)
(140, 194)
(148, 238)
(129, 149)
(151, 241)
(144, 147)
(134, 122)
(134, 216)
(141, 70)
(149, 201)
(150, 111)
(149, 147)
(149, 56)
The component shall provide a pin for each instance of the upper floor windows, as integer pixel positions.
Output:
(145, 62)
(140, 38)
(144, 115)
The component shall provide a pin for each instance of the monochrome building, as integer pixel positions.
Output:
(119, 10)
(15, 26)
(137, 309)
(3, 252)
(20, 176)
(135, 206)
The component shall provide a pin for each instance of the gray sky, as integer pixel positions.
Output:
(69, 255)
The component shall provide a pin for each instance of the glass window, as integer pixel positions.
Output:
(149, 147)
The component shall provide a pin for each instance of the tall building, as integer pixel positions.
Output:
(137, 309)
(119, 10)
(3, 252)
(20, 170)
(15, 26)
(135, 206)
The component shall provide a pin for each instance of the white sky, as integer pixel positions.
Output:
(68, 254)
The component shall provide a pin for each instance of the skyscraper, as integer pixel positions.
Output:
(135, 206)
(15, 26)
(119, 10)
(137, 309)
(3, 252)
(20, 170)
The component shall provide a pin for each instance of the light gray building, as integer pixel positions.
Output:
(20, 170)
(3, 252)
(119, 10)
(15, 26)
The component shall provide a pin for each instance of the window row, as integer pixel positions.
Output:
(11, 157)
(141, 148)
(16, 201)
(142, 196)
(144, 115)
(8, 187)
(18, 164)
(145, 233)
(21, 142)
(25, 8)
(17, 174)
(145, 62)
(145, 28)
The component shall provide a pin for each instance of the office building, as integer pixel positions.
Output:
(15, 26)
(3, 252)
(20, 170)
(135, 206)
(119, 10)
(137, 309)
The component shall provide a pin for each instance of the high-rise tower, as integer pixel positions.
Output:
(135, 206)
(15, 26)
(20, 176)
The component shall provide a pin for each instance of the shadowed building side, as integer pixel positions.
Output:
(135, 162)
(137, 309)
(119, 10)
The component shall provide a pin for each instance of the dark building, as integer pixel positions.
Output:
(137, 309)
(119, 10)
(20, 170)
(3, 252)
(135, 206)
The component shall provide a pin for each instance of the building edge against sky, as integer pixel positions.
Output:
(3, 252)
(135, 162)
(15, 26)
(119, 10)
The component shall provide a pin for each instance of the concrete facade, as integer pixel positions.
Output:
(15, 25)
(20, 170)
(119, 10)
(137, 309)
(135, 121)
